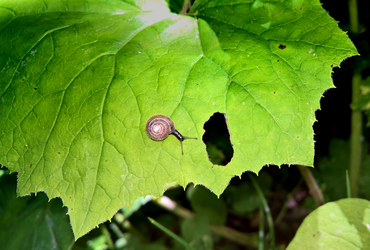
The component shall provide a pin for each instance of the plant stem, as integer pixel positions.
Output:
(261, 231)
(348, 185)
(266, 208)
(312, 185)
(173, 207)
(356, 133)
(353, 16)
(226, 232)
(233, 235)
(356, 119)
(171, 234)
(185, 7)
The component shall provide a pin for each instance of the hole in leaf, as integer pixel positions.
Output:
(282, 46)
(217, 140)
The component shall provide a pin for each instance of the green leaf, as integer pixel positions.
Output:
(80, 78)
(31, 222)
(206, 204)
(196, 231)
(242, 204)
(344, 224)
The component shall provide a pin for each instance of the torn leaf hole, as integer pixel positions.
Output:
(217, 140)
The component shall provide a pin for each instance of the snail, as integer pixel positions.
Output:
(158, 127)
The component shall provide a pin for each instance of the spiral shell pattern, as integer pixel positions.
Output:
(158, 127)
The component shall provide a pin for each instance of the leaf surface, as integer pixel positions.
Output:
(344, 224)
(79, 80)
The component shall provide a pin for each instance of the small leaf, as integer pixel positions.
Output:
(206, 204)
(344, 224)
(197, 232)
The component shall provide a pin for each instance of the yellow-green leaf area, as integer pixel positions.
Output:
(79, 79)
(344, 224)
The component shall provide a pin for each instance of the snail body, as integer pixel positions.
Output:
(158, 127)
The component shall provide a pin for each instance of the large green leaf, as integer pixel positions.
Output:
(80, 78)
(344, 224)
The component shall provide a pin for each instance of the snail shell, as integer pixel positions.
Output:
(158, 127)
